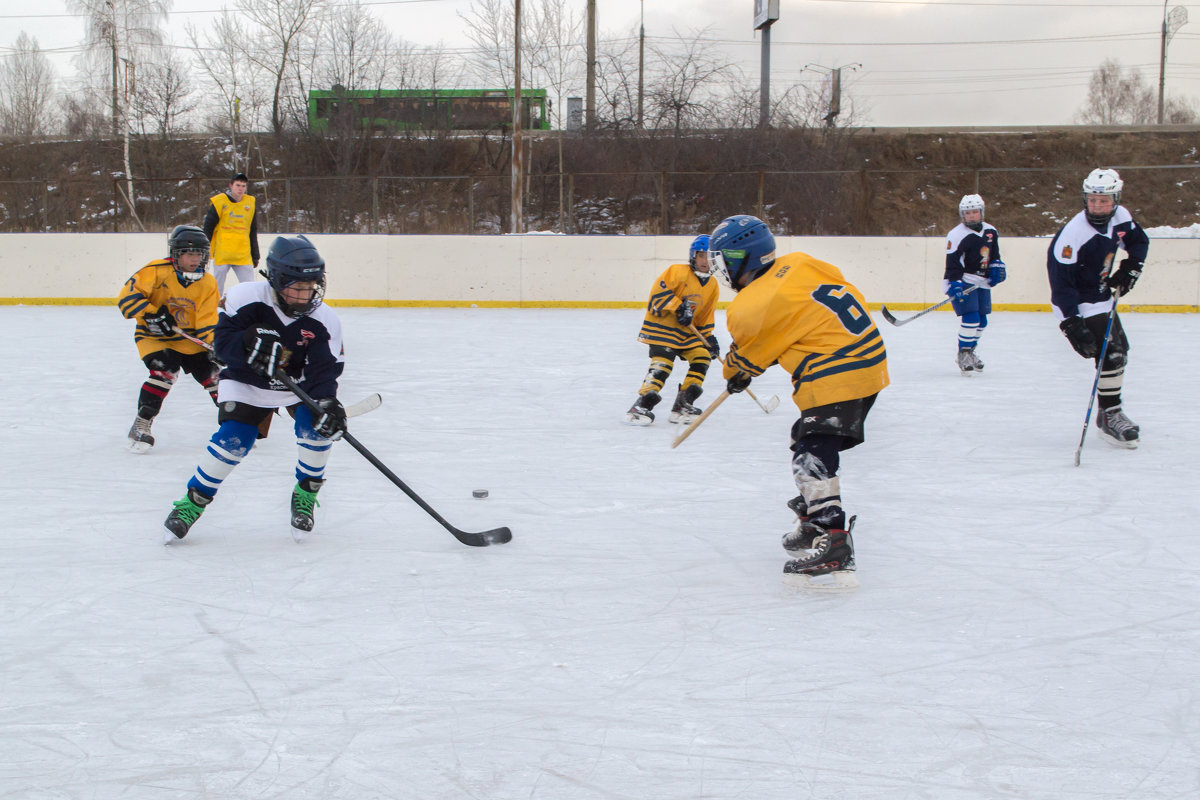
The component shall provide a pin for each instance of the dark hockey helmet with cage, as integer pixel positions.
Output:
(292, 259)
(188, 239)
(740, 249)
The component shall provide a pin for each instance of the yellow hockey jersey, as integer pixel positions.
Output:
(231, 237)
(677, 285)
(194, 307)
(803, 315)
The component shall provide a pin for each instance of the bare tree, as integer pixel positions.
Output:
(118, 33)
(680, 95)
(26, 90)
(490, 27)
(279, 48)
(1118, 98)
(241, 87)
(556, 50)
(164, 95)
(359, 52)
(616, 83)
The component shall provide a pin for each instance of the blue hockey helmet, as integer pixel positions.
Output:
(292, 259)
(740, 249)
(699, 245)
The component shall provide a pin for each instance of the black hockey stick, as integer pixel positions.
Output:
(898, 322)
(364, 406)
(481, 539)
(1099, 366)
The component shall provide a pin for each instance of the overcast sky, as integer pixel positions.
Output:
(949, 62)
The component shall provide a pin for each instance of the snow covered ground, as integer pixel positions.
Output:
(1025, 628)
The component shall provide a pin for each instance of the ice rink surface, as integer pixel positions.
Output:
(1025, 628)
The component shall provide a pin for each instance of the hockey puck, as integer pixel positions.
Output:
(479, 493)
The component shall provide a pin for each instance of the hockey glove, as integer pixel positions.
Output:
(264, 353)
(1125, 277)
(331, 422)
(685, 313)
(160, 323)
(1077, 333)
(740, 382)
(955, 290)
(714, 347)
(996, 272)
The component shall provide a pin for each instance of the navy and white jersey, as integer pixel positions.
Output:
(968, 254)
(1081, 257)
(313, 345)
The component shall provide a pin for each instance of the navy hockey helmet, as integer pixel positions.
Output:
(292, 259)
(1102, 181)
(188, 239)
(699, 245)
(740, 249)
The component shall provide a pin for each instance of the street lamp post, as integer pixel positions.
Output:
(1170, 24)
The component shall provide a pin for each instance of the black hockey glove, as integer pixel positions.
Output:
(331, 422)
(685, 313)
(1077, 333)
(160, 323)
(264, 353)
(738, 383)
(714, 347)
(1124, 278)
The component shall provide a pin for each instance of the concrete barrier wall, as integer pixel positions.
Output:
(550, 270)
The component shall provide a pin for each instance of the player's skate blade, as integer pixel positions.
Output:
(830, 582)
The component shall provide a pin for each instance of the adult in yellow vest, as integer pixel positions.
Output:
(231, 225)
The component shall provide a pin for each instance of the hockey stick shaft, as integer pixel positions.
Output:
(898, 322)
(696, 422)
(774, 401)
(1096, 383)
(481, 539)
(367, 404)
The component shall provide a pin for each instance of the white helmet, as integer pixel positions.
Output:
(971, 202)
(1102, 181)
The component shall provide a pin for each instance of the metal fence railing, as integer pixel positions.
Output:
(1020, 201)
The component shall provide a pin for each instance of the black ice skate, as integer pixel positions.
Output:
(683, 411)
(828, 566)
(639, 413)
(184, 515)
(968, 362)
(1116, 428)
(140, 440)
(304, 501)
(797, 543)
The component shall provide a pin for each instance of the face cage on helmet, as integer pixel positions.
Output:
(189, 277)
(296, 311)
(718, 267)
(1101, 219)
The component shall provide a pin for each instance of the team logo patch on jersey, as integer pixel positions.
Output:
(1067, 251)
(949, 246)
(307, 335)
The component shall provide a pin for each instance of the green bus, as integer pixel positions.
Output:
(426, 109)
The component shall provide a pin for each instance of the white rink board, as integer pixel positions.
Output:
(549, 269)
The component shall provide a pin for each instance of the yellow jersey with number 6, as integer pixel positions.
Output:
(805, 316)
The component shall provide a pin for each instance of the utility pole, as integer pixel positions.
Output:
(517, 200)
(835, 89)
(590, 112)
(1170, 24)
(641, 64)
(116, 68)
(765, 14)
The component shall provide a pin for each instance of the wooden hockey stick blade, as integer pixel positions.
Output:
(364, 406)
(696, 422)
